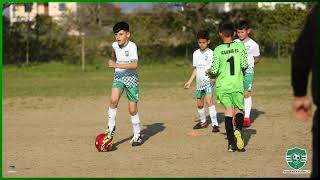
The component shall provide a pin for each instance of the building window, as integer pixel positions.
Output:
(62, 7)
(28, 7)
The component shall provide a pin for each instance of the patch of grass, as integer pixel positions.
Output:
(58, 79)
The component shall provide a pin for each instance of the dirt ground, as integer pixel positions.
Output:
(54, 137)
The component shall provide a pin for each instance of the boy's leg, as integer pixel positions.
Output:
(212, 110)
(133, 110)
(237, 132)
(238, 102)
(201, 111)
(226, 101)
(133, 97)
(239, 118)
(116, 93)
(228, 113)
(247, 105)
(248, 82)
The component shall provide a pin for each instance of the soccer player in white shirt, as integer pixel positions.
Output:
(253, 51)
(124, 60)
(202, 59)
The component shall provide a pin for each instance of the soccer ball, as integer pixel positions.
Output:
(103, 142)
(296, 157)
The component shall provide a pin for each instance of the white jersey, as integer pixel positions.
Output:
(125, 55)
(202, 61)
(252, 51)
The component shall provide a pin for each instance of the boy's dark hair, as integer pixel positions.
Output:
(243, 24)
(203, 34)
(227, 29)
(121, 26)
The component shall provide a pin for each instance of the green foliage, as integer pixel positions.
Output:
(13, 42)
(160, 35)
(281, 27)
(64, 80)
(46, 41)
(5, 38)
(71, 53)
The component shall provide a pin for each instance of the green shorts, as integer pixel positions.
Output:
(234, 100)
(201, 93)
(248, 81)
(132, 93)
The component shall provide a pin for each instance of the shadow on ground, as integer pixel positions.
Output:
(146, 133)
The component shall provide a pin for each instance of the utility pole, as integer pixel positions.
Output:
(82, 34)
(28, 8)
(82, 52)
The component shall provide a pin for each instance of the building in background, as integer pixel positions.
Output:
(274, 5)
(228, 6)
(18, 12)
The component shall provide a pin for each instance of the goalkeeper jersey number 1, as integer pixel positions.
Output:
(229, 62)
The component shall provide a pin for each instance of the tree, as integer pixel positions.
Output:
(88, 20)
(48, 39)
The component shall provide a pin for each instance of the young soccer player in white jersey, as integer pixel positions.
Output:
(243, 31)
(202, 59)
(124, 60)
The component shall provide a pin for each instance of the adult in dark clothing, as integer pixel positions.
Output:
(304, 59)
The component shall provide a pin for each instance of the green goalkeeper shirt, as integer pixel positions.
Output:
(228, 64)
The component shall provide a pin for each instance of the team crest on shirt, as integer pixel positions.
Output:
(127, 53)
(206, 58)
(247, 48)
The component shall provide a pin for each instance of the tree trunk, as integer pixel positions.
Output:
(186, 52)
(27, 49)
(279, 52)
(83, 61)
(9, 46)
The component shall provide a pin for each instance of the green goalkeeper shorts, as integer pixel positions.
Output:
(132, 93)
(233, 100)
(248, 81)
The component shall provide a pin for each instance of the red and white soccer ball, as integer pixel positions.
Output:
(103, 142)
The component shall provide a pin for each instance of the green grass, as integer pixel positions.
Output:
(58, 79)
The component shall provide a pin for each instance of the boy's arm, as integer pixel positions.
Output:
(192, 77)
(256, 55)
(132, 65)
(133, 58)
(257, 59)
(112, 57)
(243, 58)
(213, 71)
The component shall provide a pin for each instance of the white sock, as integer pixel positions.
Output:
(247, 107)
(213, 115)
(136, 125)
(112, 118)
(202, 115)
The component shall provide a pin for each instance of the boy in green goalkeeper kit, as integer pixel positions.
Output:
(228, 66)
